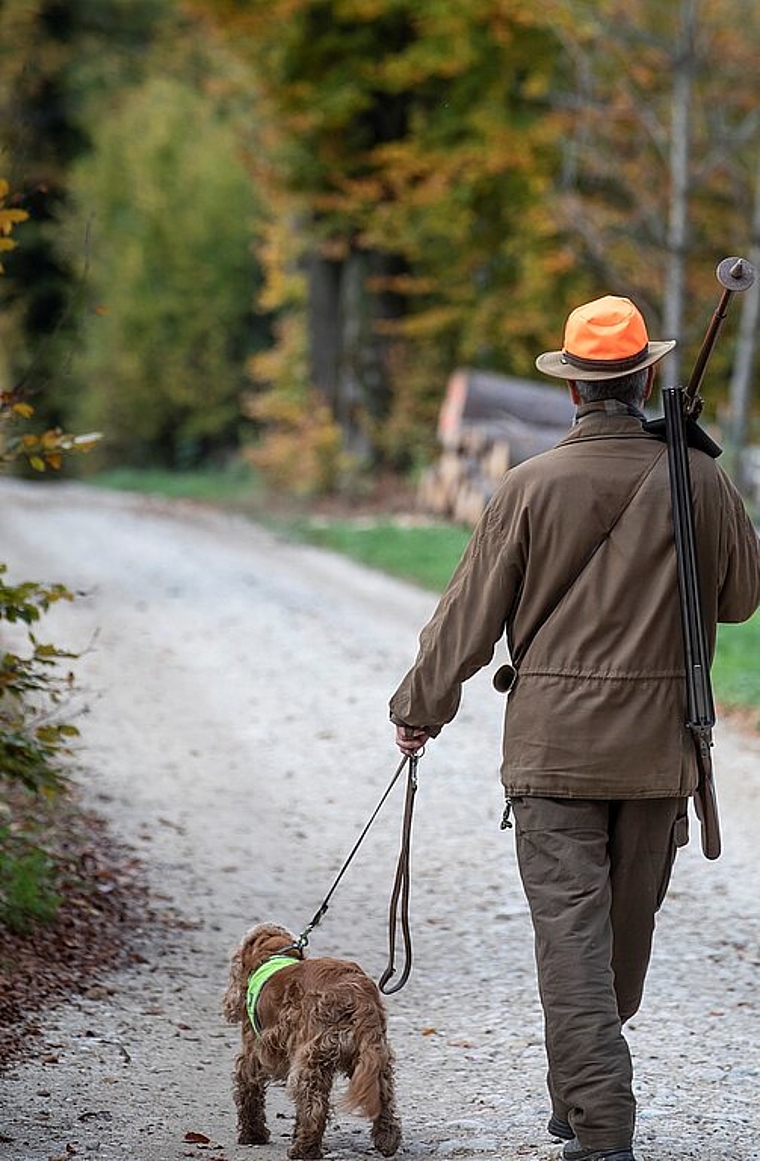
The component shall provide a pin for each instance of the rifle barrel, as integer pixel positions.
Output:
(700, 706)
(733, 274)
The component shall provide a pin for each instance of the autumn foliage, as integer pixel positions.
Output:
(34, 680)
(445, 180)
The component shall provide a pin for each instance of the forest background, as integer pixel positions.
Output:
(265, 232)
(273, 229)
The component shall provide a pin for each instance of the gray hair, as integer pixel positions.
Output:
(629, 389)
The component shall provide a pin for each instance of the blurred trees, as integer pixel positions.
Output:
(168, 212)
(405, 149)
(33, 688)
(661, 148)
(446, 180)
(59, 62)
(431, 183)
(144, 214)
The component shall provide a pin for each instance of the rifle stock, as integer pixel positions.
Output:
(706, 800)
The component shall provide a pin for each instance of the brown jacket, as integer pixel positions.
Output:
(598, 710)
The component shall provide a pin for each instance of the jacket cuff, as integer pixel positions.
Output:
(434, 731)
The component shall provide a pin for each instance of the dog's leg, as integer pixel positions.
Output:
(386, 1128)
(250, 1095)
(310, 1084)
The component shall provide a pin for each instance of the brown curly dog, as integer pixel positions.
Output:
(313, 1018)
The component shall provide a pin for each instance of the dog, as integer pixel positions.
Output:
(311, 1019)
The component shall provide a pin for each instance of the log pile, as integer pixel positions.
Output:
(487, 424)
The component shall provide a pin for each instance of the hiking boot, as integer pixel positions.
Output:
(559, 1128)
(574, 1151)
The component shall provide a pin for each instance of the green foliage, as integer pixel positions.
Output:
(171, 278)
(32, 689)
(424, 553)
(236, 486)
(27, 882)
(59, 61)
(506, 160)
(431, 164)
(735, 672)
(32, 738)
(33, 742)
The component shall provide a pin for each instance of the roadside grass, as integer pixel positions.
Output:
(235, 486)
(736, 669)
(421, 552)
(425, 553)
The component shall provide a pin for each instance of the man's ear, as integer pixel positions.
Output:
(652, 371)
(574, 392)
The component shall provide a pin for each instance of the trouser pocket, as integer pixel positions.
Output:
(679, 837)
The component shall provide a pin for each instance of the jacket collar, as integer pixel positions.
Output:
(607, 407)
(607, 419)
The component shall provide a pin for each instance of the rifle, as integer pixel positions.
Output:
(682, 407)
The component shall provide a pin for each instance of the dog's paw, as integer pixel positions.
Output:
(387, 1138)
(254, 1136)
(309, 1151)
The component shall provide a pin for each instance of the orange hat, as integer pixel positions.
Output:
(604, 339)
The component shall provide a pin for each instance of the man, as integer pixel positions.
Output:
(574, 560)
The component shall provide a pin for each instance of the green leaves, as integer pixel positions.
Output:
(32, 690)
(160, 367)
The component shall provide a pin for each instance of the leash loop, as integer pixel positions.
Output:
(400, 891)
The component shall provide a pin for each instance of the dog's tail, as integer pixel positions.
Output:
(371, 1082)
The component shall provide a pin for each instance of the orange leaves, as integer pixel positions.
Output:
(45, 450)
(9, 218)
(301, 447)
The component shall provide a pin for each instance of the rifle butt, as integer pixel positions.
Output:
(706, 806)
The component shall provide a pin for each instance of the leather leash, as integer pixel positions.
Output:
(400, 887)
(401, 890)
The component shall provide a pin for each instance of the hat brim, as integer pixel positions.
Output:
(555, 363)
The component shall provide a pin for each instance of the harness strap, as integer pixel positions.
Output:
(256, 982)
(401, 891)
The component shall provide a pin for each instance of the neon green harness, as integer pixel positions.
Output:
(256, 982)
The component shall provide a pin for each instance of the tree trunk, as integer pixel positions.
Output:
(348, 353)
(325, 327)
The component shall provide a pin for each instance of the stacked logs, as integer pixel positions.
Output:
(487, 424)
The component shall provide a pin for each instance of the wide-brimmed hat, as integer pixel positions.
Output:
(604, 339)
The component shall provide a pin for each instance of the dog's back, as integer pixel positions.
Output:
(328, 1013)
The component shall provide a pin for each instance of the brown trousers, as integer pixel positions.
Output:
(594, 874)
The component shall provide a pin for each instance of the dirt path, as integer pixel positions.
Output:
(238, 738)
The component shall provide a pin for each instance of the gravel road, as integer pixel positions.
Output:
(237, 737)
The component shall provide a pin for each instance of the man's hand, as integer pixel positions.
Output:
(410, 739)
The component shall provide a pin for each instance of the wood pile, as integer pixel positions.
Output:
(487, 424)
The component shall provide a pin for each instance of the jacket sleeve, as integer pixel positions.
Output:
(460, 637)
(739, 592)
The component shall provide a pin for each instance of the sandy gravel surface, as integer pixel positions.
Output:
(238, 738)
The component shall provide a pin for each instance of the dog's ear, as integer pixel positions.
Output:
(266, 940)
(234, 1000)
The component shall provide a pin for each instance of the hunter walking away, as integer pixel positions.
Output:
(574, 562)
